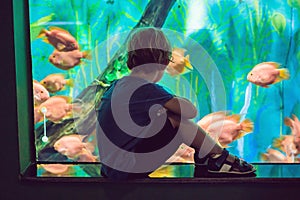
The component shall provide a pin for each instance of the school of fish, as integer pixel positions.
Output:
(222, 126)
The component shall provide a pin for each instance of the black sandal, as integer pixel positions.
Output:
(223, 166)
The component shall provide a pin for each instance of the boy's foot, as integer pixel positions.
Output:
(223, 165)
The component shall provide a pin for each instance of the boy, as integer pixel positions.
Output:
(141, 124)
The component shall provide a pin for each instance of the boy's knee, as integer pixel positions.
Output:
(174, 119)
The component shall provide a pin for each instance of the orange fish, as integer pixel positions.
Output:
(179, 64)
(67, 60)
(226, 131)
(205, 121)
(184, 154)
(40, 93)
(37, 115)
(86, 156)
(273, 155)
(286, 144)
(56, 168)
(294, 124)
(267, 73)
(56, 82)
(73, 147)
(61, 39)
(57, 108)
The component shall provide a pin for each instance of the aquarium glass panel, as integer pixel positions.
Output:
(236, 59)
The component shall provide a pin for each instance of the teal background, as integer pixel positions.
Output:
(230, 36)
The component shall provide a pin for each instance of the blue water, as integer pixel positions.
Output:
(225, 40)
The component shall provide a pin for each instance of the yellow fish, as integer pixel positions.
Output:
(58, 169)
(60, 38)
(294, 124)
(57, 108)
(267, 73)
(40, 93)
(56, 82)
(228, 130)
(69, 59)
(179, 63)
(273, 155)
(210, 118)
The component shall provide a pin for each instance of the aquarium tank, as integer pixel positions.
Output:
(241, 61)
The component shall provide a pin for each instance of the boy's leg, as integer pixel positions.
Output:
(195, 136)
(210, 158)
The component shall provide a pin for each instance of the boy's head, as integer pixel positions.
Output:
(148, 46)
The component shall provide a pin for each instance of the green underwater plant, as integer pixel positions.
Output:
(236, 34)
(279, 22)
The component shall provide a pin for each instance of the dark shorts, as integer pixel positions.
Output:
(144, 145)
(158, 141)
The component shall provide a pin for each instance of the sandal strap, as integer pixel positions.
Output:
(220, 161)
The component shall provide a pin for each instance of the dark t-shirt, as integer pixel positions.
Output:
(130, 114)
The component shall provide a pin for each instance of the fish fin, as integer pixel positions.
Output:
(265, 86)
(247, 125)
(284, 74)
(219, 113)
(187, 63)
(46, 40)
(264, 156)
(278, 79)
(277, 142)
(295, 118)
(70, 82)
(90, 147)
(87, 54)
(288, 121)
(235, 117)
(60, 46)
(240, 135)
(42, 33)
(273, 64)
(58, 28)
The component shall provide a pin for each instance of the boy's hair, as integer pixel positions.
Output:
(146, 46)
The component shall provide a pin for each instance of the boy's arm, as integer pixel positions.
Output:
(181, 106)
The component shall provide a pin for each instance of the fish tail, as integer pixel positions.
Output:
(70, 82)
(247, 125)
(235, 117)
(240, 135)
(188, 64)
(284, 74)
(87, 54)
(288, 121)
